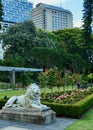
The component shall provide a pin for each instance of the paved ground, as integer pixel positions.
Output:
(59, 124)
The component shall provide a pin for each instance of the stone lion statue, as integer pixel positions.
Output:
(31, 99)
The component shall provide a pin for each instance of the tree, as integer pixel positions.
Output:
(87, 29)
(18, 41)
(69, 40)
(74, 62)
(45, 57)
(87, 19)
(1, 13)
(44, 39)
(21, 38)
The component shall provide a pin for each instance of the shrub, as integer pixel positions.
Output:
(2, 103)
(66, 110)
(72, 110)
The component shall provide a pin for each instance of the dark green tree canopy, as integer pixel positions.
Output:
(18, 40)
(21, 38)
(87, 14)
(1, 13)
(31, 47)
(87, 20)
(87, 29)
(69, 39)
(44, 39)
(45, 57)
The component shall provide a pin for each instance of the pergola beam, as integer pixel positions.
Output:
(19, 69)
(13, 70)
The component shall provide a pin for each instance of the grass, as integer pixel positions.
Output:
(85, 123)
(20, 92)
(11, 93)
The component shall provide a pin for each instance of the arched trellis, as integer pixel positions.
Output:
(13, 70)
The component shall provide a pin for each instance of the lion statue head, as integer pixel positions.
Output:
(33, 91)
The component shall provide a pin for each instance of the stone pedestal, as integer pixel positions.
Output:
(36, 116)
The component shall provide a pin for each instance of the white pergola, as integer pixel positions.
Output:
(12, 70)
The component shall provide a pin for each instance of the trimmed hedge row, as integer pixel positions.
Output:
(67, 110)
(72, 110)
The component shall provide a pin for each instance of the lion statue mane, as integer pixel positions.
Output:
(31, 99)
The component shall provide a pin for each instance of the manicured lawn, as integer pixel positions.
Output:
(86, 123)
(11, 93)
(20, 92)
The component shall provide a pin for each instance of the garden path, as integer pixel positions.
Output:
(59, 124)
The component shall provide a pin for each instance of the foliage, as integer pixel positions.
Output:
(51, 77)
(22, 39)
(72, 38)
(44, 39)
(18, 62)
(2, 103)
(64, 78)
(73, 62)
(90, 77)
(87, 19)
(30, 47)
(68, 97)
(18, 40)
(45, 57)
(71, 49)
(87, 28)
(1, 13)
(67, 110)
(43, 78)
(72, 110)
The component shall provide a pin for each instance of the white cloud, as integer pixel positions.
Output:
(51, 2)
(78, 23)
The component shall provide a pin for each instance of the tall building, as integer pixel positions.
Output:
(15, 11)
(51, 18)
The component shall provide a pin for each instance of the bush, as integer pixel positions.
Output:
(66, 110)
(72, 110)
(2, 102)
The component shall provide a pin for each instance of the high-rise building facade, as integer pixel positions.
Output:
(16, 11)
(51, 18)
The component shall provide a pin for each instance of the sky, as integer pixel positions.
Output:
(75, 6)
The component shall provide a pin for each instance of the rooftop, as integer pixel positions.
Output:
(52, 7)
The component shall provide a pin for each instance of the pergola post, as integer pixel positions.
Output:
(13, 78)
(13, 70)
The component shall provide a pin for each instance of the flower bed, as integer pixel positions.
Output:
(71, 104)
(67, 97)
(72, 110)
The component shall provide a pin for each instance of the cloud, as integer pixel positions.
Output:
(51, 2)
(78, 23)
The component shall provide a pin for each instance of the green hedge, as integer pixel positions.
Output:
(67, 110)
(2, 103)
(72, 110)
